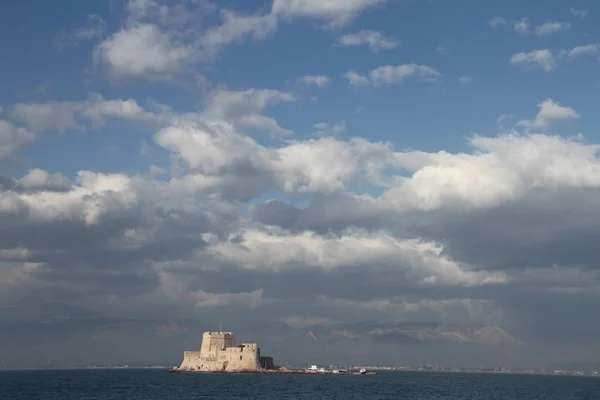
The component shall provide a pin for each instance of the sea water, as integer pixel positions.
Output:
(131, 384)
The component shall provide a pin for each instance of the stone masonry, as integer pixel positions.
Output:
(220, 353)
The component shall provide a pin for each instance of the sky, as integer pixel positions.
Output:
(388, 181)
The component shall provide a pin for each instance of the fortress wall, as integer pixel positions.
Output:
(219, 353)
(191, 359)
(241, 358)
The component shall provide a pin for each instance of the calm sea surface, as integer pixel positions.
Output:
(158, 384)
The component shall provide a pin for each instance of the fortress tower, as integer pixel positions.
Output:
(219, 352)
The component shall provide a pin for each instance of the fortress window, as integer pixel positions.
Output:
(240, 357)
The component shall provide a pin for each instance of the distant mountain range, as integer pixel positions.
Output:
(58, 335)
(408, 333)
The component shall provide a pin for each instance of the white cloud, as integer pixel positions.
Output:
(502, 169)
(589, 49)
(56, 116)
(158, 42)
(464, 80)
(338, 12)
(210, 147)
(218, 152)
(542, 58)
(13, 139)
(496, 22)
(579, 12)
(549, 112)
(393, 74)
(419, 260)
(551, 27)
(75, 203)
(142, 51)
(97, 111)
(317, 80)
(522, 27)
(376, 40)
(67, 115)
(40, 180)
(355, 79)
(328, 164)
(245, 108)
(235, 28)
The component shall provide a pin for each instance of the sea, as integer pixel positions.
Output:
(150, 384)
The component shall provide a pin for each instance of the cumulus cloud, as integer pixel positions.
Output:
(219, 153)
(579, 51)
(245, 108)
(375, 40)
(346, 240)
(417, 260)
(549, 28)
(158, 42)
(142, 51)
(549, 112)
(438, 243)
(40, 180)
(500, 171)
(355, 79)
(392, 74)
(464, 80)
(337, 12)
(12, 139)
(522, 27)
(317, 80)
(235, 28)
(542, 58)
(72, 115)
(55, 116)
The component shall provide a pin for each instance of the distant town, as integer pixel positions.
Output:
(416, 368)
(434, 368)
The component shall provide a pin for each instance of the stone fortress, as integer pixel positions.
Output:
(219, 353)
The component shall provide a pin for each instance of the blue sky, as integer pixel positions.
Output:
(455, 39)
(321, 164)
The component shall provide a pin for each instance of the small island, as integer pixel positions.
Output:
(219, 353)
